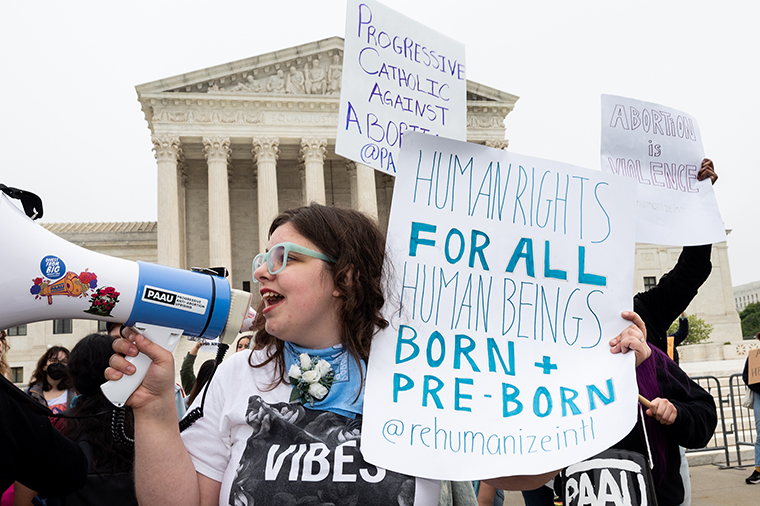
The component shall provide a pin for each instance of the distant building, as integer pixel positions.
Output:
(746, 294)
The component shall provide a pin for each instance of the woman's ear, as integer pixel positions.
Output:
(348, 279)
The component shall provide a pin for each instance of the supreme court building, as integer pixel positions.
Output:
(237, 143)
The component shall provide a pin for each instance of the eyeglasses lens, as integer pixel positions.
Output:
(276, 258)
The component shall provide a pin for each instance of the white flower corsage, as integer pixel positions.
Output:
(311, 380)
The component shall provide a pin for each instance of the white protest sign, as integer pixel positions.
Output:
(661, 148)
(510, 274)
(207, 345)
(398, 76)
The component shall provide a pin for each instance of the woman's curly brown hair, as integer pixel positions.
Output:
(355, 241)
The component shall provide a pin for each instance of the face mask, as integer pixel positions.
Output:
(56, 371)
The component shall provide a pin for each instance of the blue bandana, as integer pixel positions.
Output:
(342, 396)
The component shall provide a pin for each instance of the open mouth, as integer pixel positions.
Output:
(272, 298)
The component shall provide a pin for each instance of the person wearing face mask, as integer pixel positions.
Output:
(50, 384)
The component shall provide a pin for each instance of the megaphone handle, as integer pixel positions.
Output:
(119, 391)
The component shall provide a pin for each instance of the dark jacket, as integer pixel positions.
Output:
(28, 441)
(693, 428)
(104, 487)
(36, 393)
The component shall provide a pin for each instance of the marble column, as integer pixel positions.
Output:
(351, 170)
(265, 152)
(313, 153)
(388, 183)
(217, 151)
(363, 192)
(182, 182)
(168, 152)
(302, 177)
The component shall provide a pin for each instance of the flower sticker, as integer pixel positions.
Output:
(311, 380)
(103, 301)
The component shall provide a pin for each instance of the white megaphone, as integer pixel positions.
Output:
(46, 278)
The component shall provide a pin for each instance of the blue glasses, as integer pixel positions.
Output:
(277, 257)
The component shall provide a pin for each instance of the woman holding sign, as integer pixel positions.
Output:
(282, 423)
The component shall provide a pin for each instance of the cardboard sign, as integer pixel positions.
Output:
(661, 148)
(510, 274)
(754, 366)
(398, 76)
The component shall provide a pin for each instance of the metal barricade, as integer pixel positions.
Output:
(712, 385)
(743, 426)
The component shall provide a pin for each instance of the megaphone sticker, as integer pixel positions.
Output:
(102, 300)
(176, 300)
(52, 267)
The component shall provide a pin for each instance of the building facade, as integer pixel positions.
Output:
(746, 294)
(240, 142)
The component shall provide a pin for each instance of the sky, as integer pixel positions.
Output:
(74, 133)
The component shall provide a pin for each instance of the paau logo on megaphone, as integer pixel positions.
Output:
(57, 281)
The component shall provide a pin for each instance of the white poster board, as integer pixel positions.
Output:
(661, 148)
(398, 76)
(510, 276)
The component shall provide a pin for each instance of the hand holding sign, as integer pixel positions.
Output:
(663, 411)
(632, 338)
(707, 170)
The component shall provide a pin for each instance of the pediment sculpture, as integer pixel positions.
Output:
(317, 75)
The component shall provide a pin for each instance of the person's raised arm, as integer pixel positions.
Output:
(186, 372)
(682, 333)
(164, 472)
